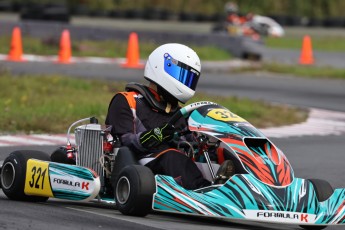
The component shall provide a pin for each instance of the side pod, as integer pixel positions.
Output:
(23, 177)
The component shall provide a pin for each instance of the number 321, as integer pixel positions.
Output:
(37, 178)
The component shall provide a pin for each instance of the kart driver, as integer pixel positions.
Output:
(139, 116)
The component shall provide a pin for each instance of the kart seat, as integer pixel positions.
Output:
(223, 154)
(220, 155)
(205, 170)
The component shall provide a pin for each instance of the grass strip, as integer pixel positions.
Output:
(308, 71)
(320, 43)
(50, 103)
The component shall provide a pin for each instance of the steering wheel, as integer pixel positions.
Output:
(186, 110)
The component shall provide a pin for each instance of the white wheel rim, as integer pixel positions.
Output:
(8, 174)
(123, 190)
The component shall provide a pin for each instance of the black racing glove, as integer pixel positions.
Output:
(154, 137)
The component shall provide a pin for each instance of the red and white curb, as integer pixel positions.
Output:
(207, 65)
(319, 123)
(35, 139)
(54, 59)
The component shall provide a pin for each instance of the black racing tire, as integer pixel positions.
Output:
(13, 174)
(323, 190)
(312, 227)
(134, 189)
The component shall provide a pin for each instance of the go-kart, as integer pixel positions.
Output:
(256, 26)
(261, 188)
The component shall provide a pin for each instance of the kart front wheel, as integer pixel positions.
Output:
(322, 188)
(323, 191)
(134, 190)
(14, 172)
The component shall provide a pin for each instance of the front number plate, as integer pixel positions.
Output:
(37, 179)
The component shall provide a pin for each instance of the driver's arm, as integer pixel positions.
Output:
(120, 117)
(132, 132)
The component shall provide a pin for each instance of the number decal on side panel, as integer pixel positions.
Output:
(37, 178)
(224, 115)
(32, 182)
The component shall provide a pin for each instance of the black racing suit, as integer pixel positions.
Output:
(162, 159)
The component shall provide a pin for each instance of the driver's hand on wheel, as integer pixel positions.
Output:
(156, 136)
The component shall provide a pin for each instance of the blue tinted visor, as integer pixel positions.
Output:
(181, 72)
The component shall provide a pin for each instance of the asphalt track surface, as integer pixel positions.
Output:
(311, 157)
(325, 162)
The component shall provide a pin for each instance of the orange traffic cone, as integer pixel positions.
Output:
(133, 53)
(65, 52)
(16, 50)
(306, 57)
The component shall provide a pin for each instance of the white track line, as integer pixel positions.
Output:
(319, 123)
(54, 58)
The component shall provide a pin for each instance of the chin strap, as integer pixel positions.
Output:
(161, 106)
(168, 108)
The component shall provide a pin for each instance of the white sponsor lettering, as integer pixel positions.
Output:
(280, 216)
(71, 183)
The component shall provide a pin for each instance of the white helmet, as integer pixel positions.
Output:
(175, 68)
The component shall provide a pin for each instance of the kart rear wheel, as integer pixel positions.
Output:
(13, 175)
(134, 190)
(323, 191)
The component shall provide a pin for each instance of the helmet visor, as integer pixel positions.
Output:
(181, 72)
